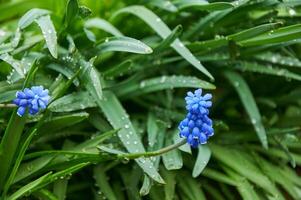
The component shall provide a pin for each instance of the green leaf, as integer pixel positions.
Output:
(17, 37)
(152, 129)
(72, 102)
(102, 182)
(249, 103)
(60, 188)
(59, 122)
(31, 16)
(190, 188)
(71, 12)
(118, 70)
(166, 5)
(170, 186)
(162, 29)
(103, 25)
(277, 58)
(30, 186)
(244, 187)
(161, 83)
(49, 33)
(8, 96)
(124, 44)
(270, 70)
(252, 32)
(202, 160)
(146, 186)
(91, 79)
(66, 71)
(16, 64)
(277, 36)
(9, 145)
(30, 168)
(84, 12)
(169, 40)
(223, 41)
(61, 174)
(218, 176)
(172, 160)
(243, 165)
(19, 157)
(202, 5)
(118, 118)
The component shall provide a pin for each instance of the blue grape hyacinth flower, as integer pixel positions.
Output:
(197, 126)
(34, 99)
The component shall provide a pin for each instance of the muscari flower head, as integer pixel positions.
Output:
(197, 126)
(34, 99)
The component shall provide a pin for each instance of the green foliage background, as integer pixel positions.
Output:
(118, 71)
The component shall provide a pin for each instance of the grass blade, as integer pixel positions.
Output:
(124, 44)
(30, 16)
(49, 33)
(162, 29)
(102, 25)
(202, 160)
(30, 186)
(249, 103)
(161, 83)
(118, 118)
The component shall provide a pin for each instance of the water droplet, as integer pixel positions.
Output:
(142, 84)
(163, 79)
(292, 12)
(236, 83)
(126, 126)
(274, 59)
(2, 33)
(158, 19)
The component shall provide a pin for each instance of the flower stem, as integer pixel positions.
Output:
(153, 153)
(7, 105)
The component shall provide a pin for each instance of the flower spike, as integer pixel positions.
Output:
(197, 126)
(34, 99)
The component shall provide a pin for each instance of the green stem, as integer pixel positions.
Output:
(153, 153)
(7, 105)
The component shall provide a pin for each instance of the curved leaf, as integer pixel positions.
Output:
(162, 29)
(125, 44)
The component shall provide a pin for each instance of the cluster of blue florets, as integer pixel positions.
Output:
(34, 99)
(197, 126)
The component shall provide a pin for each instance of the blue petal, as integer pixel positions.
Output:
(21, 111)
(203, 138)
(28, 93)
(191, 124)
(37, 89)
(23, 102)
(16, 101)
(41, 104)
(20, 95)
(33, 111)
(195, 132)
